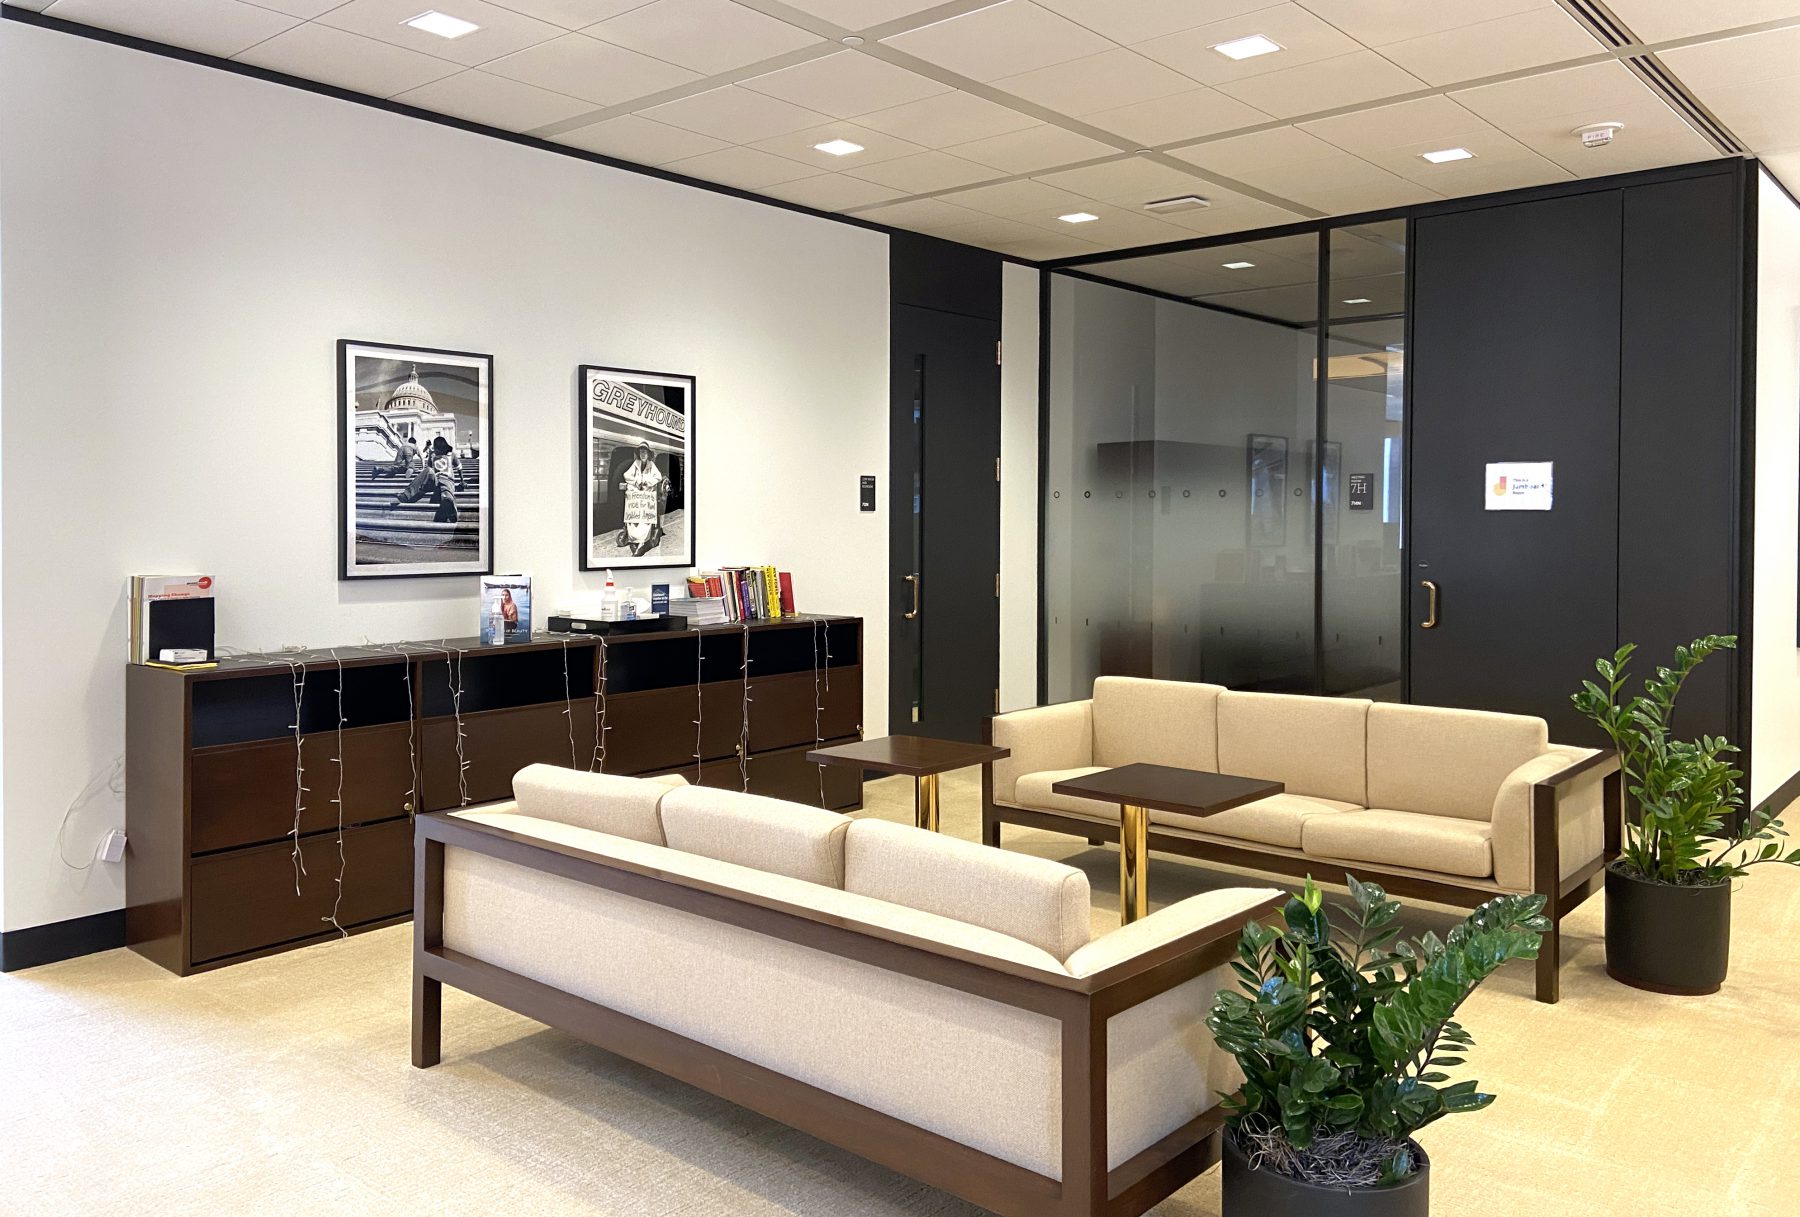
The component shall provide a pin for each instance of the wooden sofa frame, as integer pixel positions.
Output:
(1561, 896)
(1081, 1005)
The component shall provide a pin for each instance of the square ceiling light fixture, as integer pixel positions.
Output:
(441, 24)
(1445, 155)
(1248, 48)
(1237, 265)
(1079, 217)
(838, 147)
(1359, 300)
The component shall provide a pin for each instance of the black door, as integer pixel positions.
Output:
(945, 496)
(1515, 358)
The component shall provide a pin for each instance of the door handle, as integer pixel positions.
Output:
(914, 580)
(1431, 611)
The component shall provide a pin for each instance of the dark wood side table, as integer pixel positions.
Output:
(1140, 789)
(917, 756)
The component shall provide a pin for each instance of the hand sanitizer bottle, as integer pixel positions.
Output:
(609, 600)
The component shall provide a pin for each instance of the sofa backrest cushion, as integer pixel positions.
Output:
(1035, 900)
(599, 802)
(764, 834)
(1446, 762)
(1156, 722)
(1315, 746)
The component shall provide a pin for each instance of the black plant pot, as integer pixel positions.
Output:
(1250, 1192)
(1667, 939)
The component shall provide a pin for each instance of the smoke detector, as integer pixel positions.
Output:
(1598, 135)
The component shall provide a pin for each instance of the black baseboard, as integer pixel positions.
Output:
(41, 944)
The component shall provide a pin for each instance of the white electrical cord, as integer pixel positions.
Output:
(111, 778)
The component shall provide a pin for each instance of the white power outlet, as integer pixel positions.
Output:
(112, 847)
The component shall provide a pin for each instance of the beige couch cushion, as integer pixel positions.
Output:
(1033, 790)
(1443, 844)
(1581, 836)
(1155, 722)
(600, 802)
(761, 833)
(1045, 737)
(1032, 899)
(1313, 745)
(1446, 762)
(1276, 820)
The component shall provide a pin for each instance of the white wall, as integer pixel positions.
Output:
(1018, 486)
(1775, 661)
(184, 247)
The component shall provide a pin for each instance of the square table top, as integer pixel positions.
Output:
(914, 755)
(1192, 792)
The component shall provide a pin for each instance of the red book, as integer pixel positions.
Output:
(786, 582)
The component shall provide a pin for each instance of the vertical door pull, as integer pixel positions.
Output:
(1431, 609)
(914, 614)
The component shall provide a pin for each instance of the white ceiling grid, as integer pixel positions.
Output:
(985, 121)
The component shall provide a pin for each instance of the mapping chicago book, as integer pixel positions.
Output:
(170, 613)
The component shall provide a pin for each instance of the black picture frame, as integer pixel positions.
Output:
(392, 541)
(620, 410)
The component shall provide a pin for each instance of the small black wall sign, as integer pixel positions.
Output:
(868, 492)
(1360, 488)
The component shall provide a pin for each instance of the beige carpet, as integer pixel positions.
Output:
(282, 1087)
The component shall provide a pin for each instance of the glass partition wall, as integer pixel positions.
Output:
(1210, 513)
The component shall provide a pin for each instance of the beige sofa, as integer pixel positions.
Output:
(931, 1004)
(1447, 805)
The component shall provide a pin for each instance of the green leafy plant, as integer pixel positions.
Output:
(1687, 829)
(1344, 1031)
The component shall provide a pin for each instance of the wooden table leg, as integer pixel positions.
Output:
(925, 801)
(1134, 854)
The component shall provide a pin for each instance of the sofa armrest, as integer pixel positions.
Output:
(1047, 737)
(1187, 925)
(1572, 783)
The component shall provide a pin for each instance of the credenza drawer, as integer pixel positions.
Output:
(243, 794)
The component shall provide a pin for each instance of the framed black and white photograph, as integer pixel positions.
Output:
(637, 469)
(415, 461)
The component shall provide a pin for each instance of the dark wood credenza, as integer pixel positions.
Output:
(211, 876)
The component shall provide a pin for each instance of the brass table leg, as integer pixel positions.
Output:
(1134, 850)
(925, 802)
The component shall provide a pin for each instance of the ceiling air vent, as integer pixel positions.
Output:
(1184, 202)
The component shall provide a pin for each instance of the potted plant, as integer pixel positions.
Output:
(1343, 1033)
(1668, 896)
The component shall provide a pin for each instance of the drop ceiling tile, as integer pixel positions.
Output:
(862, 14)
(1302, 180)
(215, 27)
(306, 9)
(745, 168)
(1019, 198)
(925, 172)
(1500, 163)
(846, 84)
(1303, 38)
(801, 146)
(1238, 155)
(1641, 151)
(1736, 61)
(348, 61)
(949, 118)
(1096, 82)
(1654, 134)
(832, 192)
(1131, 181)
(1761, 113)
(590, 69)
(631, 137)
(1129, 21)
(1434, 119)
(991, 230)
(735, 115)
(1045, 246)
(1390, 191)
(707, 36)
(570, 14)
(494, 100)
(920, 215)
(38, 6)
(1236, 215)
(1377, 23)
(502, 31)
(1530, 39)
(1003, 40)
(1035, 148)
(1116, 228)
(1657, 20)
(1784, 166)
(1596, 85)
(1348, 80)
(1183, 116)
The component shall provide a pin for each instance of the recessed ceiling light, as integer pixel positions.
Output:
(1237, 265)
(1360, 300)
(1078, 217)
(838, 147)
(1248, 48)
(1448, 154)
(441, 24)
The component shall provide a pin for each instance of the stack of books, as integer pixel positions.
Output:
(699, 610)
(747, 593)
